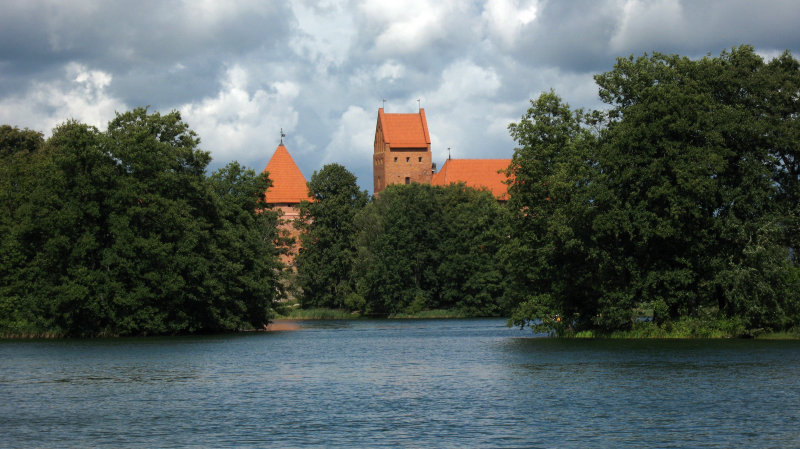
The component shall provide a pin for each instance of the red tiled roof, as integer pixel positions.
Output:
(288, 183)
(405, 130)
(476, 173)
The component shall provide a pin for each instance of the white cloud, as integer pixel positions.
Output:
(325, 32)
(409, 26)
(352, 141)
(465, 114)
(649, 23)
(242, 123)
(505, 18)
(319, 68)
(465, 80)
(80, 94)
(390, 70)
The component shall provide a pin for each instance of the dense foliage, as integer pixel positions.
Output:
(122, 233)
(423, 247)
(325, 259)
(682, 197)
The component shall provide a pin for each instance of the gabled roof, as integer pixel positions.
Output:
(288, 183)
(405, 130)
(476, 173)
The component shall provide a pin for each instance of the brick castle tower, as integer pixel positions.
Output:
(288, 189)
(402, 150)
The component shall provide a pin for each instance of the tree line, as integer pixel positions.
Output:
(415, 247)
(123, 233)
(679, 200)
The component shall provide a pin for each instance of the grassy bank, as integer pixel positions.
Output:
(296, 313)
(315, 314)
(431, 314)
(691, 328)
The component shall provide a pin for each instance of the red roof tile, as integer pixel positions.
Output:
(405, 130)
(288, 183)
(476, 173)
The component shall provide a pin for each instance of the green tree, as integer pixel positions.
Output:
(122, 233)
(325, 259)
(470, 274)
(680, 199)
(244, 259)
(425, 247)
(398, 253)
(553, 274)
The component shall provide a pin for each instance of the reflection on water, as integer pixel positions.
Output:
(441, 383)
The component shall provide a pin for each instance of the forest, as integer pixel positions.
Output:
(673, 210)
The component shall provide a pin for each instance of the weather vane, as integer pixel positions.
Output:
(419, 105)
(384, 104)
(282, 136)
(448, 153)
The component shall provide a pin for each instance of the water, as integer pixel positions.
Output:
(427, 383)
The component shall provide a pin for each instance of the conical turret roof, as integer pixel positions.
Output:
(288, 183)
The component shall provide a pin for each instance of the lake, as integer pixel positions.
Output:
(406, 383)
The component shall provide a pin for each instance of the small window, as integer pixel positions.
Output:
(408, 159)
(419, 159)
(408, 180)
(395, 159)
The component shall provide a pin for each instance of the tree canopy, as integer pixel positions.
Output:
(122, 233)
(324, 262)
(677, 197)
(423, 247)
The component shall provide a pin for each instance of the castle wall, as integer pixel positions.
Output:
(289, 213)
(412, 164)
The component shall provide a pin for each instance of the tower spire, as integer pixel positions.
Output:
(282, 136)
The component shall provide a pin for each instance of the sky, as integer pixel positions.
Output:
(240, 71)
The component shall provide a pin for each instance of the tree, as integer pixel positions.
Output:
(681, 198)
(423, 247)
(553, 279)
(246, 266)
(470, 273)
(398, 251)
(122, 233)
(325, 259)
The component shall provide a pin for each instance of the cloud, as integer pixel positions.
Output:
(324, 33)
(505, 18)
(650, 24)
(240, 122)
(464, 113)
(239, 71)
(352, 142)
(80, 94)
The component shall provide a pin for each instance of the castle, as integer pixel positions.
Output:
(402, 155)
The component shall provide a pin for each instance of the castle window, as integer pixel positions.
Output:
(419, 159)
(395, 159)
(408, 180)
(408, 159)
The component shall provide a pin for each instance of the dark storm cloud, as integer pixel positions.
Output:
(572, 36)
(768, 26)
(241, 71)
(155, 49)
(587, 35)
